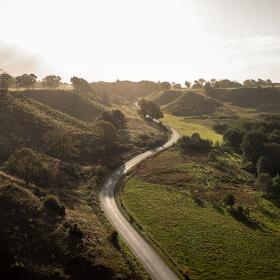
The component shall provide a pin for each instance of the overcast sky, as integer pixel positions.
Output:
(173, 40)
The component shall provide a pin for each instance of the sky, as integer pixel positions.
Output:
(159, 40)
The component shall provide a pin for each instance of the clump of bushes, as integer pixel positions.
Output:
(28, 165)
(229, 199)
(52, 203)
(270, 186)
(75, 231)
(194, 144)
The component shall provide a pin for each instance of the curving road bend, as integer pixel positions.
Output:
(148, 257)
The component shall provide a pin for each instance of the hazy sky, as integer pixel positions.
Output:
(173, 40)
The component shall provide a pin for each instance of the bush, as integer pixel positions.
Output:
(27, 165)
(264, 165)
(148, 108)
(52, 203)
(212, 156)
(276, 186)
(75, 231)
(234, 137)
(194, 144)
(264, 183)
(229, 200)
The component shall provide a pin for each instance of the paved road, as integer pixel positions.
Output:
(149, 258)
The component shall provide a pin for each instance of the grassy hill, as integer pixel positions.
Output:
(121, 92)
(164, 97)
(182, 103)
(24, 123)
(262, 99)
(191, 103)
(84, 107)
(40, 243)
(178, 202)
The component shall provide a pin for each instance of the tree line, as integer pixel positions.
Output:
(259, 141)
(28, 81)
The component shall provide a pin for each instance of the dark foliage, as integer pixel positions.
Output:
(194, 144)
(52, 203)
(229, 200)
(148, 108)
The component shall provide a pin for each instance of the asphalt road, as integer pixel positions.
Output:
(149, 258)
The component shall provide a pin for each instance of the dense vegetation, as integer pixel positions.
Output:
(258, 140)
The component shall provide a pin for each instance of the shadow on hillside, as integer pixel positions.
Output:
(242, 218)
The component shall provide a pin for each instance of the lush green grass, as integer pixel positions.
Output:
(188, 126)
(203, 240)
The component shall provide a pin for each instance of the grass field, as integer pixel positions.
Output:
(206, 242)
(188, 125)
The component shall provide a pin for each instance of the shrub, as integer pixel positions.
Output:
(26, 164)
(233, 136)
(52, 203)
(194, 144)
(253, 145)
(212, 156)
(276, 186)
(229, 200)
(264, 183)
(148, 108)
(264, 165)
(75, 231)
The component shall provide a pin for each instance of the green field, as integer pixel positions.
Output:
(205, 241)
(188, 125)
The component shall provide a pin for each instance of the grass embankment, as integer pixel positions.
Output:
(189, 125)
(208, 243)
(180, 206)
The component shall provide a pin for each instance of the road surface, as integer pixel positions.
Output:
(148, 257)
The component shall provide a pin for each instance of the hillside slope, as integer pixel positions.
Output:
(164, 97)
(124, 91)
(24, 123)
(42, 244)
(191, 103)
(80, 106)
(262, 99)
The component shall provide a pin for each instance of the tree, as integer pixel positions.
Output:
(61, 144)
(264, 183)
(80, 84)
(274, 136)
(260, 83)
(5, 81)
(253, 145)
(264, 165)
(108, 133)
(26, 164)
(52, 203)
(234, 137)
(26, 81)
(207, 86)
(165, 85)
(187, 84)
(116, 117)
(276, 186)
(201, 82)
(52, 82)
(229, 200)
(250, 83)
(176, 86)
(148, 108)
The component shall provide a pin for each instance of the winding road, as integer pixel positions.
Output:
(149, 258)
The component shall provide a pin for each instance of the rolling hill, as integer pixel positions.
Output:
(84, 107)
(184, 103)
